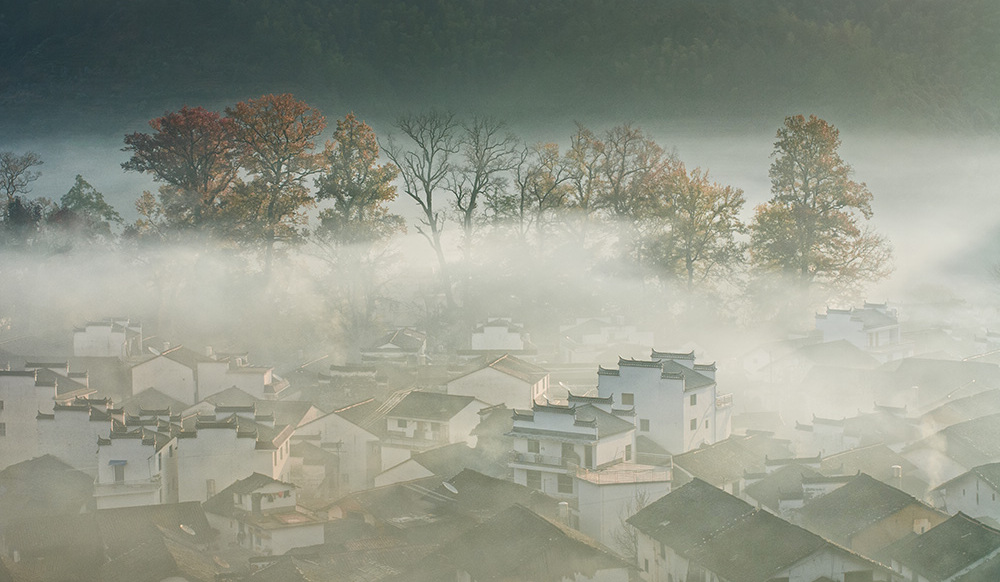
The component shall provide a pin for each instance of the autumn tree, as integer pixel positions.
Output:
(354, 232)
(83, 214)
(425, 163)
(275, 137)
(17, 173)
(192, 153)
(814, 229)
(538, 188)
(702, 227)
(583, 162)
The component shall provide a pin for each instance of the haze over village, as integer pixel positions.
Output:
(665, 291)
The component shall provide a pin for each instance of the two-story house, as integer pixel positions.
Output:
(262, 514)
(676, 400)
(424, 420)
(552, 442)
(505, 380)
(136, 467)
(873, 328)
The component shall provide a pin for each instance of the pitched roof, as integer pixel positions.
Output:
(606, 423)
(779, 484)
(756, 547)
(430, 405)
(943, 550)
(520, 544)
(518, 368)
(692, 378)
(152, 399)
(970, 443)
(42, 486)
(727, 460)
(450, 459)
(406, 340)
(856, 505)
(966, 408)
(990, 473)
(687, 516)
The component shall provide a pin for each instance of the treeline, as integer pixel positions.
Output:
(886, 60)
(502, 217)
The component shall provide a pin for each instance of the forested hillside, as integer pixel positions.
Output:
(929, 61)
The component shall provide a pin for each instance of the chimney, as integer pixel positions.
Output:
(209, 352)
(897, 476)
(564, 512)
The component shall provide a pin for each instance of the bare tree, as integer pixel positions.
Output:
(488, 152)
(424, 167)
(626, 537)
(16, 173)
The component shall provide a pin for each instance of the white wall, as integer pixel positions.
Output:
(173, 379)
(604, 508)
(494, 387)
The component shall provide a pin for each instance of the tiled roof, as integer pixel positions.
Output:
(756, 547)
(687, 516)
(522, 545)
(430, 406)
(726, 461)
(944, 550)
(518, 368)
(853, 507)
(788, 479)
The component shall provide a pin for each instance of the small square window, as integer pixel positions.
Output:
(533, 447)
(694, 424)
(400, 424)
(694, 399)
(644, 424)
(628, 399)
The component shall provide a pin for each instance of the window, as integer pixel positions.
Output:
(533, 447)
(863, 576)
(694, 424)
(706, 424)
(400, 424)
(645, 565)
(628, 399)
(534, 479)
(644, 424)
(628, 452)
(694, 399)
(3, 429)
(159, 462)
(564, 484)
(1, 404)
(588, 456)
(119, 473)
(569, 454)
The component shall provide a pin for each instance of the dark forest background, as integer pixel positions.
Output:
(918, 63)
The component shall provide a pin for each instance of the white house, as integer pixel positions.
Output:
(70, 432)
(359, 452)
(212, 451)
(975, 493)
(261, 514)
(676, 401)
(188, 376)
(401, 346)
(112, 338)
(500, 335)
(136, 467)
(608, 496)
(425, 420)
(552, 442)
(873, 328)
(504, 380)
